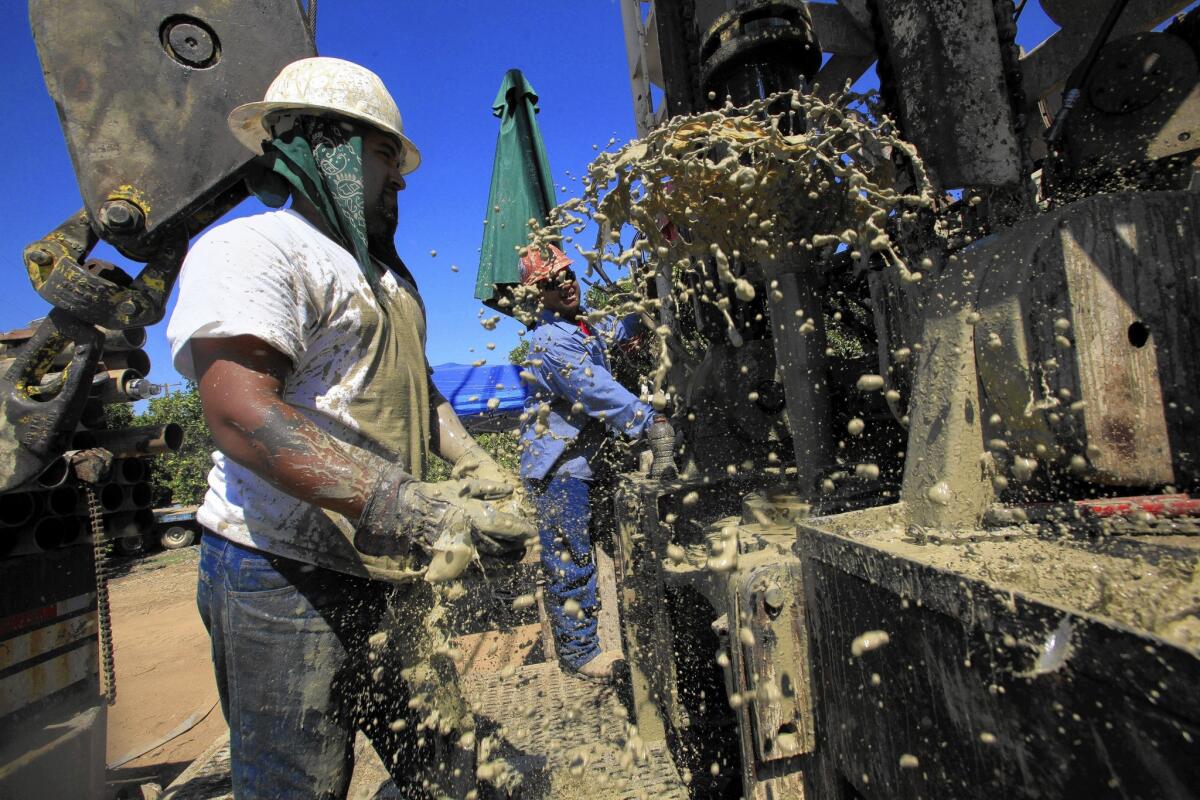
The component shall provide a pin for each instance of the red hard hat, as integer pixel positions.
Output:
(535, 267)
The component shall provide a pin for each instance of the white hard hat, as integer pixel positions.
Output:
(323, 86)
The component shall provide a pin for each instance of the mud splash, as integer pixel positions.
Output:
(712, 203)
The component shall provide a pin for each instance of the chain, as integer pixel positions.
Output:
(1010, 57)
(312, 20)
(100, 547)
(692, 42)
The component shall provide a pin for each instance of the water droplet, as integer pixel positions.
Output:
(940, 493)
(870, 383)
(866, 642)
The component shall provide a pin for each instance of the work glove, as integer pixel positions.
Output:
(661, 437)
(447, 520)
(477, 464)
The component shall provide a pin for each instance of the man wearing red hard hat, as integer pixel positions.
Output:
(574, 404)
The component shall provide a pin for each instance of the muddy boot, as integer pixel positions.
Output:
(602, 668)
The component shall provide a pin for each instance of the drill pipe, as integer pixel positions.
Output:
(127, 359)
(54, 532)
(114, 386)
(111, 496)
(55, 473)
(141, 495)
(129, 470)
(114, 341)
(61, 501)
(133, 442)
(17, 508)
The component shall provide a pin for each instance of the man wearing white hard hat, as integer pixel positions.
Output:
(305, 333)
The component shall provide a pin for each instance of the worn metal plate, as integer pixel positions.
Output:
(981, 690)
(1142, 103)
(1077, 349)
(143, 89)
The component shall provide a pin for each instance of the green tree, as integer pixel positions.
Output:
(504, 446)
(118, 415)
(520, 353)
(181, 478)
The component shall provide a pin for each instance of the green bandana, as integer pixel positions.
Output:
(322, 161)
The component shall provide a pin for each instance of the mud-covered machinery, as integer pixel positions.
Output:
(941, 540)
(144, 120)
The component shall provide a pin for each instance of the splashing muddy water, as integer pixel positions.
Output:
(716, 202)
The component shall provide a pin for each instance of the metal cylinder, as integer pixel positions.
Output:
(112, 496)
(113, 385)
(17, 508)
(20, 542)
(129, 470)
(758, 49)
(132, 442)
(128, 339)
(127, 359)
(51, 533)
(61, 501)
(114, 342)
(141, 495)
(54, 474)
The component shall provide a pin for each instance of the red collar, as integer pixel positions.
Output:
(583, 326)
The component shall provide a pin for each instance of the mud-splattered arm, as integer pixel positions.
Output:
(448, 438)
(241, 380)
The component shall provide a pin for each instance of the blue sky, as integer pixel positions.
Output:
(443, 62)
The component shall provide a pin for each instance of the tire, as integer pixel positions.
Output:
(129, 545)
(176, 537)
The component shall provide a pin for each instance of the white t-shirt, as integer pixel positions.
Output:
(276, 277)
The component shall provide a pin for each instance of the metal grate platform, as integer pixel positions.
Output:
(566, 737)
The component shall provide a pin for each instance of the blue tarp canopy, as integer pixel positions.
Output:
(469, 388)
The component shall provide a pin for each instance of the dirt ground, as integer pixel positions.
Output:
(166, 695)
(164, 672)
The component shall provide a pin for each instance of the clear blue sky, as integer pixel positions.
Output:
(443, 62)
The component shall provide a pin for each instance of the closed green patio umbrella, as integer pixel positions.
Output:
(522, 188)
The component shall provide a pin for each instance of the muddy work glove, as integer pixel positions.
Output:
(661, 437)
(404, 516)
(477, 464)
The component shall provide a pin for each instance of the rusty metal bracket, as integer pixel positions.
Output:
(41, 426)
(56, 269)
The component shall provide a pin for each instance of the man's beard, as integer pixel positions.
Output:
(381, 232)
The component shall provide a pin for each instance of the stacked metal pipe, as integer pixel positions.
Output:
(52, 511)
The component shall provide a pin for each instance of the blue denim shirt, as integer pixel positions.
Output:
(573, 369)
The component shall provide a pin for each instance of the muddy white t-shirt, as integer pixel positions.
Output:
(359, 370)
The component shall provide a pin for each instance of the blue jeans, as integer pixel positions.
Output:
(294, 673)
(563, 515)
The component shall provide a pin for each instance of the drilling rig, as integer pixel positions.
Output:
(959, 560)
(144, 120)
